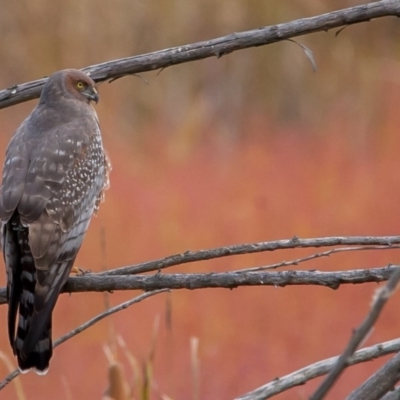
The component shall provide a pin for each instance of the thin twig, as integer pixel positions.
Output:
(249, 248)
(314, 256)
(308, 52)
(17, 382)
(105, 314)
(87, 325)
(214, 48)
(382, 295)
(303, 375)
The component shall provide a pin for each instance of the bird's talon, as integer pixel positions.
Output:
(78, 271)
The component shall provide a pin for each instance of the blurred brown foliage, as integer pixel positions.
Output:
(250, 147)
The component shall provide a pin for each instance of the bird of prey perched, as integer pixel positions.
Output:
(54, 175)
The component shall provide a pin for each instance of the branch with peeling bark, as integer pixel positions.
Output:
(111, 70)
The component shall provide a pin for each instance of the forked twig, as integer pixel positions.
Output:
(382, 295)
(303, 375)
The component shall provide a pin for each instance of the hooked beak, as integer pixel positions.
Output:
(91, 94)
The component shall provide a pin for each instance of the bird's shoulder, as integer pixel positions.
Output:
(42, 152)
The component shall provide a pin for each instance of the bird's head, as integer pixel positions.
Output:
(70, 83)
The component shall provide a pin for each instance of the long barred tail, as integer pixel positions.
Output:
(39, 357)
(21, 274)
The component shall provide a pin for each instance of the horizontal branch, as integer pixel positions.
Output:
(214, 48)
(102, 281)
(117, 280)
(227, 280)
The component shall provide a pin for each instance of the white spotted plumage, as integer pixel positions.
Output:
(54, 176)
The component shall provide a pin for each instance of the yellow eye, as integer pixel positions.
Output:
(80, 85)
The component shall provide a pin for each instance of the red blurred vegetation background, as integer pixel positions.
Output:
(251, 147)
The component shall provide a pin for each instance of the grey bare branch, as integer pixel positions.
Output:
(111, 70)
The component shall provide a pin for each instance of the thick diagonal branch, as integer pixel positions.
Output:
(312, 371)
(359, 334)
(215, 47)
(380, 383)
